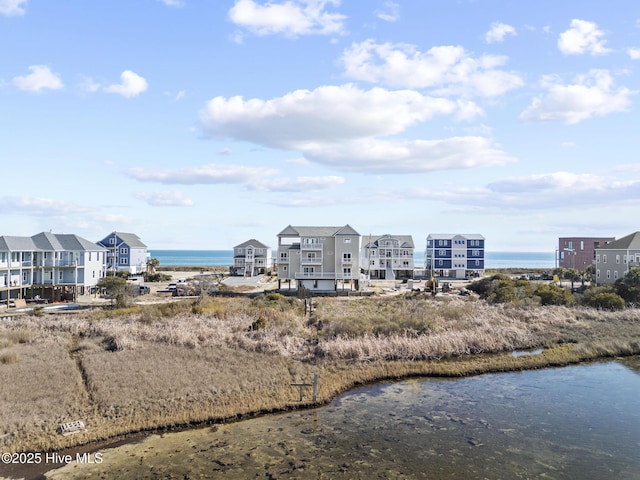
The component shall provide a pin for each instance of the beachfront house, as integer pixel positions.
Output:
(126, 253)
(616, 258)
(387, 257)
(579, 252)
(251, 258)
(320, 259)
(49, 266)
(455, 255)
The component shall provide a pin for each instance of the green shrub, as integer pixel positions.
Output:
(606, 301)
(551, 294)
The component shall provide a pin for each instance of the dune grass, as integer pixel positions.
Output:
(213, 359)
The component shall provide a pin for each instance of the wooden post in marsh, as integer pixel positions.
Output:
(314, 385)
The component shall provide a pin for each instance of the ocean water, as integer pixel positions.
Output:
(211, 258)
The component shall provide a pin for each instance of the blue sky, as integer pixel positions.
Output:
(199, 124)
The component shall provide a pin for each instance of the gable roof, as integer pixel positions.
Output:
(47, 241)
(405, 241)
(304, 231)
(451, 236)
(252, 243)
(130, 239)
(630, 242)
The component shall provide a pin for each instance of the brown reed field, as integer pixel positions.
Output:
(217, 359)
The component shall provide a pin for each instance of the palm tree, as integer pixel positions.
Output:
(152, 265)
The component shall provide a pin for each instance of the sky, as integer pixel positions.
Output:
(200, 124)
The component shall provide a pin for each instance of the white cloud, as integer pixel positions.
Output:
(341, 126)
(205, 174)
(305, 118)
(450, 69)
(173, 3)
(291, 18)
(132, 85)
(298, 184)
(389, 12)
(536, 193)
(167, 198)
(634, 53)
(89, 85)
(409, 156)
(38, 206)
(591, 95)
(12, 7)
(498, 31)
(40, 78)
(583, 37)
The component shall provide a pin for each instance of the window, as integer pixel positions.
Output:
(284, 268)
(597, 258)
(476, 253)
(608, 273)
(346, 257)
(581, 245)
(442, 252)
(477, 263)
(604, 259)
(439, 263)
(347, 240)
(112, 240)
(346, 271)
(124, 261)
(618, 259)
(615, 274)
(308, 270)
(124, 250)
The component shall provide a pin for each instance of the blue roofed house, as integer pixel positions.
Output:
(126, 253)
(455, 255)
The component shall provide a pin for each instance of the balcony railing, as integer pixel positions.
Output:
(311, 260)
(311, 246)
(324, 276)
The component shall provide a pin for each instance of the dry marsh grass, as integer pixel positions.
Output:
(217, 358)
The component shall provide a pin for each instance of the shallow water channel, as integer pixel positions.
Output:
(563, 423)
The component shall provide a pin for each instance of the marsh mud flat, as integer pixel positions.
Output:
(579, 421)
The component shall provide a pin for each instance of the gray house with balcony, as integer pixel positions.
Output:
(387, 257)
(320, 259)
(251, 258)
(50, 266)
(616, 258)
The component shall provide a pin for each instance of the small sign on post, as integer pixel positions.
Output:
(314, 385)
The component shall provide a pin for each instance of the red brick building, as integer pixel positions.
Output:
(579, 252)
